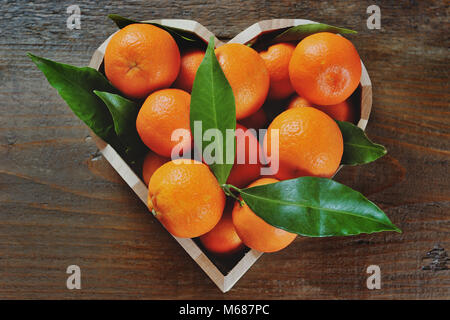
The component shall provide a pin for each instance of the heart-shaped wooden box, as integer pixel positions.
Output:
(223, 278)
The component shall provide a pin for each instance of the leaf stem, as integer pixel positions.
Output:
(227, 189)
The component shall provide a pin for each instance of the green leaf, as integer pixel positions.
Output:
(121, 22)
(75, 85)
(299, 32)
(316, 207)
(124, 113)
(358, 149)
(212, 103)
(176, 33)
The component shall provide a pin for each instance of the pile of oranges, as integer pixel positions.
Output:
(314, 79)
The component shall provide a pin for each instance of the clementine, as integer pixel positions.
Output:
(247, 165)
(163, 112)
(310, 143)
(343, 111)
(141, 58)
(223, 238)
(186, 198)
(325, 68)
(254, 231)
(247, 74)
(152, 161)
(298, 101)
(190, 61)
(277, 58)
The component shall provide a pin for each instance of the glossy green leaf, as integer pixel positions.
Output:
(299, 32)
(124, 113)
(176, 33)
(358, 149)
(121, 22)
(316, 207)
(76, 85)
(213, 105)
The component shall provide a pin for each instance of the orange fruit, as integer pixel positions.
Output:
(223, 238)
(343, 111)
(255, 232)
(298, 101)
(325, 68)
(152, 161)
(141, 58)
(310, 143)
(256, 121)
(249, 166)
(163, 112)
(247, 74)
(277, 58)
(190, 61)
(186, 198)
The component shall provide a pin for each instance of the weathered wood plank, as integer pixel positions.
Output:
(61, 204)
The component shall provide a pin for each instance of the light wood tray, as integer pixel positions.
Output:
(224, 282)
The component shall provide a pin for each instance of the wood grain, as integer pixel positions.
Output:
(61, 203)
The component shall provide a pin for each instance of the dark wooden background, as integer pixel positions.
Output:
(61, 203)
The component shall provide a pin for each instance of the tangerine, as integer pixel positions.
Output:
(310, 143)
(190, 61)
(141, 58)
(186, 198)
(247, 74)
(325, 68)
(162, 113)
(277, 58)
(254, 231)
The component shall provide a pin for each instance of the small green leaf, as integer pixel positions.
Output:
(301, 31)
(212, 103)
(121, 22)
(177, 34)
(124, 113)
(316, 207)
(75, 85)
(358, 149)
